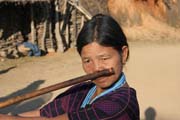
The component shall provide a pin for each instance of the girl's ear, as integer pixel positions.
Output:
(125, 51)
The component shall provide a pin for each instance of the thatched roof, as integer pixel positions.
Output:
(24, 1)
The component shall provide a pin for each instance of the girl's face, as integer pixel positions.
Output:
(96, 57)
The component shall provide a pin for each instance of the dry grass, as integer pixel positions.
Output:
(142, 21)
(95, 6)
(153, 30)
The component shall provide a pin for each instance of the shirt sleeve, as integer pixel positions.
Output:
(52, 109)
(117, 105)
(60, 104)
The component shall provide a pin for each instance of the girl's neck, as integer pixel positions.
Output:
(100, 90)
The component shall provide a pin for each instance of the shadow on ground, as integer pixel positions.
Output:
(28, 105)
(6, 70)
(150, 113)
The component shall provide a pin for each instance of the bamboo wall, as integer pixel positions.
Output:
(52, 26)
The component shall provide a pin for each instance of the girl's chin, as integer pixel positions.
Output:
(103, 85)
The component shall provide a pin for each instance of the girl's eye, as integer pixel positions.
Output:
(105, 58)
(86, 61)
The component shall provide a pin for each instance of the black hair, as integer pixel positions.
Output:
(104, 30)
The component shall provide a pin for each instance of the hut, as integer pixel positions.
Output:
(24, 20)
(53, 25)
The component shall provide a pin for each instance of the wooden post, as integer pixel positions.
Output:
(50, 40)
(82, 22)
(67, 34)
(65, 27)
(60, 46)
(33, 29)
(81, 9)
(75, 29)
(45, 14)
(63, 13)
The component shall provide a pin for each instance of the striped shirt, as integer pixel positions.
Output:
(91, 92)
(120, 104)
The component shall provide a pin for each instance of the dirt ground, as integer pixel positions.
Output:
(153, 70)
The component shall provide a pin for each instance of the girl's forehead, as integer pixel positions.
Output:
(95, 45)
(94, 49)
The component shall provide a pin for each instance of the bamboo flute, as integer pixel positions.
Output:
(57, 86)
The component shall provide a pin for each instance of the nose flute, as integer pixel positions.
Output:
(105, 72)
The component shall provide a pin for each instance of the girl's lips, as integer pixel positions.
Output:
(101, 79)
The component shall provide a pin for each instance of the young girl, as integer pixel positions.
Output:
(101, 45)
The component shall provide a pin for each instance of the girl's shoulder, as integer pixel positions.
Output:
(125, 92)
(81, 87)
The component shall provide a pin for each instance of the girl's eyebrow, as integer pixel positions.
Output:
(85, 57)
(104, 55)
(100, 55)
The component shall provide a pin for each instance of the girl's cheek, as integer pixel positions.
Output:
(87, 68)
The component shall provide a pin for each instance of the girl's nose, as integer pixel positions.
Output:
(98, 66)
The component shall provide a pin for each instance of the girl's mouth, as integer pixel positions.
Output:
(101, 79)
